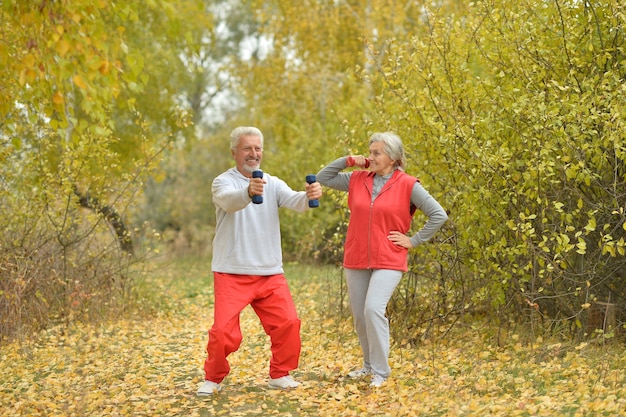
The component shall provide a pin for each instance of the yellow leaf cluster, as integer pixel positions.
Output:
(152, 366)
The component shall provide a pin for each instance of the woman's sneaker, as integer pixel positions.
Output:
(358, 373)
(377, 381)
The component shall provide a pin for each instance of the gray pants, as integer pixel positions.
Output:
(370, 291)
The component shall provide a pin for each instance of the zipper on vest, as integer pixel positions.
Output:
(385, 188)
(369, 236)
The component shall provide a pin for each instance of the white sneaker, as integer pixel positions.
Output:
(358, 373)
(208, 388)
(377, 381)
(283, 382)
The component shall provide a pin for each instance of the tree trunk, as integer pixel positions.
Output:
(111, 216)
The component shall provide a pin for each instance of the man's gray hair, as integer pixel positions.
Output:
(393, 147)
(238, 132)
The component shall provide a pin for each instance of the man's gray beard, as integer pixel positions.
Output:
(250, 169)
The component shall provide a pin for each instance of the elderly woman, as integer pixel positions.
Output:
(382, 202)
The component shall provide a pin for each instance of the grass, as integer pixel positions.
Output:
(150, 364)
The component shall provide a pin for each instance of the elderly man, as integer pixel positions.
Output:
(247, 262)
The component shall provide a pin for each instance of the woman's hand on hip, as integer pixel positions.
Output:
(400, 239)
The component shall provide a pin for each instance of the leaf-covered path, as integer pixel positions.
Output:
(151, 366)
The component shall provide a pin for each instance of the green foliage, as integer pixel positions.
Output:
(513, 119)
(514, 114)
(78, 131)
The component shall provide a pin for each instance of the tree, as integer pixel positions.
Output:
(519, 112)
(83, 121)
(512, 118)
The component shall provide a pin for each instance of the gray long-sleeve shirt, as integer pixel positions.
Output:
(332, 177)
(247, 236)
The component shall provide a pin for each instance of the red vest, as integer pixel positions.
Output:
(367, 246)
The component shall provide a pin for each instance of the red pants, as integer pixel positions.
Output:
(271, 300)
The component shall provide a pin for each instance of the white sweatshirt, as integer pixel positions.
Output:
(247, 236)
